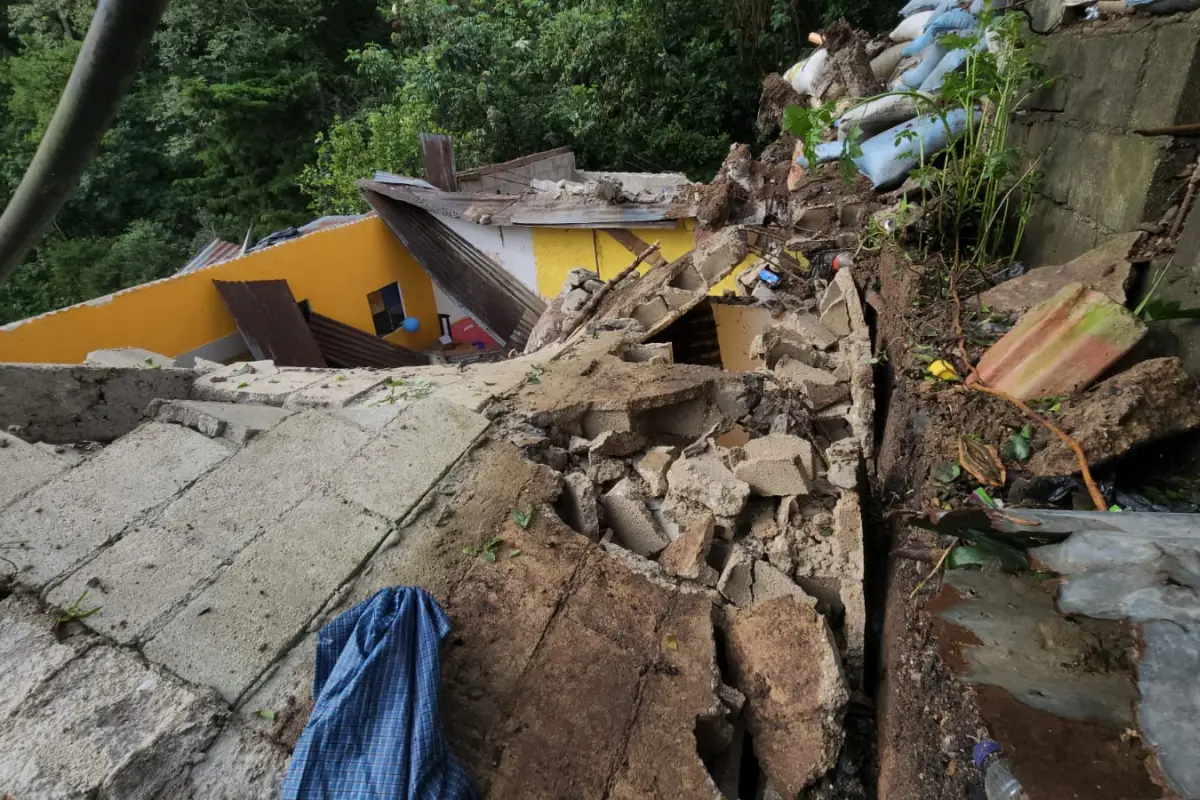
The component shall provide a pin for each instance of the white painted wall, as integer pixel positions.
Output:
(510, 247)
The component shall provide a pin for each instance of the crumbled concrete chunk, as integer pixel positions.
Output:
(788, 507)
(239, 423)
(819, 386)
(707, 481)
(653, 466)
(685, 557)
(605, 471)
(784, 660)
(737, 578)
(626, 512)
(777, 466)
(770, 583)
(616, 443)
(844, 458)
(575, 300)
(581, 508)
(578, 446)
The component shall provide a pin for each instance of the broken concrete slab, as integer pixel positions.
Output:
(105, 725)
(1106, 269)
(737, 578)
(336, 389)
(239, 423)
(581, 509)
(835, 315)
(770, 582)
(259, 382)
(80, 510)
(718, 254)
(30, 654)
(239, 765)
(235, 628)
(24, 466)
(391, 473)
(784, 660)
(809, 329)
(844, 280)
(820, 386)
(1060, 346)
(778, 465)
(685, 557)
(625, 511)
(706, 480)
(777, 341)
(616, 443)
(606, 471)
(1151, 400)
(132, 357)
(653, 466)
(67, 404)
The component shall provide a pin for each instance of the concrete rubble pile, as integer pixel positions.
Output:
(175, 539)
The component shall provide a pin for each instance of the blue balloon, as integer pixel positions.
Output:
(411, 325)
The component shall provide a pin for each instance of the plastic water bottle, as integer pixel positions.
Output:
(999, 783)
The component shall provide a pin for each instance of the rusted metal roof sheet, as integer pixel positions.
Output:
(1061, 346)
(345, 346)
(497, 300)
(437, 153)
(531, 208)
(215, 252)
(271, 323)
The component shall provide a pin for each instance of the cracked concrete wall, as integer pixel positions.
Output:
(57, 404)
(1101, 178)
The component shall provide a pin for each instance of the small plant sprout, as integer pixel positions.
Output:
(522, 518)
(76, 611)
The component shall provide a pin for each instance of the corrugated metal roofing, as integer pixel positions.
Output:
(345, 346)
(270, 321)
(214, 252)
(498, 301)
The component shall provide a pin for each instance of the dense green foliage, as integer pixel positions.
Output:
(261, 113)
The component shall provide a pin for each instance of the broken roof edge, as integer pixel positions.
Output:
(528, 209)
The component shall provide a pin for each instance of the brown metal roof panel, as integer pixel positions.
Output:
(345, 346)
(497, 300)
(268, 318)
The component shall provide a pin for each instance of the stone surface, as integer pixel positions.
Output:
(67, 404)
(236, 422)
(24, 466)
(685, 557)
(581, 510)
(606, 471)
(770, 583)
(105, 726)
(1105, 269)
(1151, 400)
(778, 465)
(707, 481)
(783, 659)
(625, 511)
(390, 474)
(82, 509)
(653, 466)
(1169, 706)
(29, 652)
(616, 443)
(239, 765)
(575, 300)
(235, 628)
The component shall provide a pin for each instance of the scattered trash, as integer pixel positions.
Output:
(943, 370)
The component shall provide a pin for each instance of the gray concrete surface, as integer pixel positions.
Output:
(29, 653)
(53, 403)
(240, 765)
(239, 423)
(105, 725)
(391, 473)
(75, 513)
(258, 382)
(24, 466)
(257, 608)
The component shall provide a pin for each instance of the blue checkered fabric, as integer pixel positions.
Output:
(375, 731)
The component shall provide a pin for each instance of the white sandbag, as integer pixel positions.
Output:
(884, 64)
(794, 70)
(917, 6)
(805, 77)
(911, 28)
(879, 114)
(826, 151)
(886, 159)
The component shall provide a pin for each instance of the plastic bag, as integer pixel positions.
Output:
(911, 28)
(805, 74)
(887, 161)
(884, 64)
(878, 114)
(947, 22)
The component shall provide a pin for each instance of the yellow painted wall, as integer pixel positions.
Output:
(334, 270)
(557, 251)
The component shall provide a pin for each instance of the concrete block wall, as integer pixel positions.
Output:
(1101, 178)
(515, 180)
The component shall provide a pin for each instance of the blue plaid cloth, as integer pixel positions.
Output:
(375, 731)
